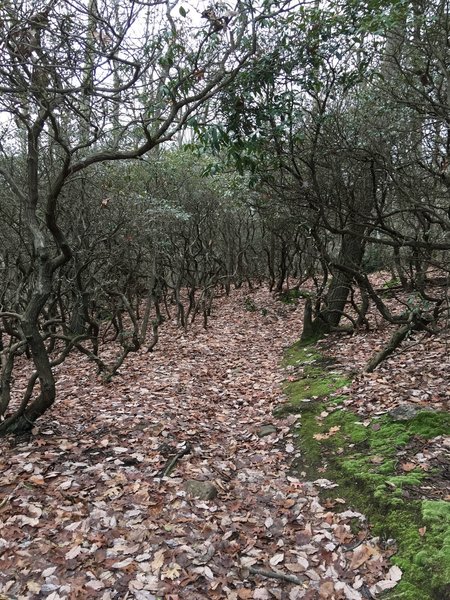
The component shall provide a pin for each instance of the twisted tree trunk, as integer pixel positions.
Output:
(350, 256)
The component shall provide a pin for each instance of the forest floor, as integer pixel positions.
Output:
(86, 513)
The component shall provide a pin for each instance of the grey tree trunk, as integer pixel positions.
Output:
(350, 257)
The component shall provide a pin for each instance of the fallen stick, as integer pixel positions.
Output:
(170, 464)
(275, 575)
(395, 341)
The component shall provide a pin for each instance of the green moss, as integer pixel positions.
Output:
(291, 296)
(364, 460)
(249, 305)
(430, 424)
(314, 380)
(335, 401)
(424, 559)
(300, 353)
(436, 516)
(351, 457)
(391, 283)
(315, 386)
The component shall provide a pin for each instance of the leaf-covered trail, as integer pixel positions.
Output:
(83, 513)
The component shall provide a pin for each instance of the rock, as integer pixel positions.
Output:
(265, 430)
(403, 412)
(203, 490)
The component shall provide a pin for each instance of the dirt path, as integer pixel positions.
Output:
(83, 513)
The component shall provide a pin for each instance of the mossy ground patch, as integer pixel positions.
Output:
(365, 459)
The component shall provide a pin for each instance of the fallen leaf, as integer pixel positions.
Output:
(171, 572)
(360, 556)
(296, 567)
(276, 559)
(245, 594)
(158, 560)
(383, 585)
(28, 520)
(122, 564)
(37, 480)
(351, 593)
(407, 467)
(324, 436)
(248, 561)
(34, 586)
(326, 590)
(261, 594)
(95, 584)
(268, 522)
(65, 485)
(73, 553)
(394, 573)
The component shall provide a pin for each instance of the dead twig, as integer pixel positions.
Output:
(171, 462)
(275, 575)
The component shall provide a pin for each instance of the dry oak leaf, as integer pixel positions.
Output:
(289, 503)
(248, 561)
(361, 555)
(351, 593)
(34, 587)
(268, 522)
(26, 520)
(343, 534)
(297, 593)
(55, 596)
(171, 572)
(65, 485)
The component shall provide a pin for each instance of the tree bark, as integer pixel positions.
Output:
(350, 255)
